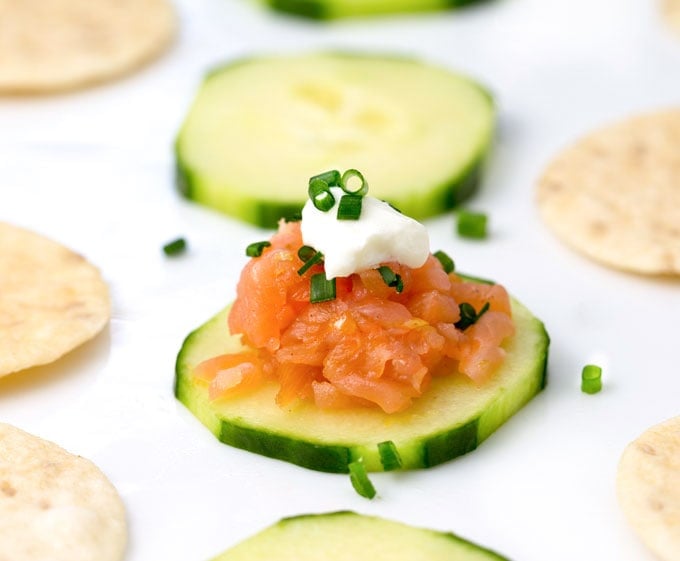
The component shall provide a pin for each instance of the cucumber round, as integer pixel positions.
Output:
(418, 133)
(346, 535)
(331, 9)
(451, 418)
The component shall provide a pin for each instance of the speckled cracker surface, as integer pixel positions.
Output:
(615, 194)
(51, 300)
(648, 487)
(55, 506)
(48, 45)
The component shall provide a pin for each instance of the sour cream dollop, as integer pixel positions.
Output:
(381, 234)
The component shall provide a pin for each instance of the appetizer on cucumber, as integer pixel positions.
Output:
(347, 535)
(363, 346)
(257, 126)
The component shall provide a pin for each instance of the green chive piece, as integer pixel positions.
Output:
(390, 278)
(360, 481)
(256, 249)
(472, 224)
(349, 207)
(175, 247)
(393, 207)
(389, 456)
(591, 379)
(321, 289)
(320, 194)
(348, 176)
(447, 263)
(306, 252)
(468, 315)
(310, 259)
(331, 178)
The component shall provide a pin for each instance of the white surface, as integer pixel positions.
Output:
(94, 170)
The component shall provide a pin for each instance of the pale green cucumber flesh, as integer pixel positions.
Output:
(259, 128)
(339, 536)
(450, 419)
(331, 9)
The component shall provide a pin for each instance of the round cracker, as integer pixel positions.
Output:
(54, 505)
(51, 300)
(615, 194)
(648, 488)
(48, 45)
(671, 12)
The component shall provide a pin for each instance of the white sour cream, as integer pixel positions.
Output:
(350, 246)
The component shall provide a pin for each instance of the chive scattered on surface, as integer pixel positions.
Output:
(391, 279)
(447, 263)
(349, 207)
(468, 315)
(472, 224)
(175, 247)
(321, 289)
(389, 456)
(591, 379)
(360, 481)
(255, 249)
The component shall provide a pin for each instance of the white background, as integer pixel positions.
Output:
(94, 170)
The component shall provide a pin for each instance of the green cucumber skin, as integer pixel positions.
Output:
(266, 213)
(326, 10)
(427, 451)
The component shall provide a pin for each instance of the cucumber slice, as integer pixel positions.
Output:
(346, 535)
(331, 9)
(450, 419)
(418, 133)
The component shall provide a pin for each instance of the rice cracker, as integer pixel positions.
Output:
(671, 12)
(54, 505)
(648, 488)
(48, 45)
(615, 194)
(51, 300)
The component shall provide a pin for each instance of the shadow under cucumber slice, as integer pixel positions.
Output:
(257, 126)
(450, 419)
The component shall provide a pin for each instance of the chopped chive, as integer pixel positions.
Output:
(468, 315)
(393, 207)
(321, 289)
(389, 456)
(591, 379)
(310, 260)
(446, 261)
(320, 194)
(348, 176)
(349, 207)
(256, 249)
(331, 178)
(306, 252)
(472, 224)
(390, 278)
(360, 481)
(175, 247)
